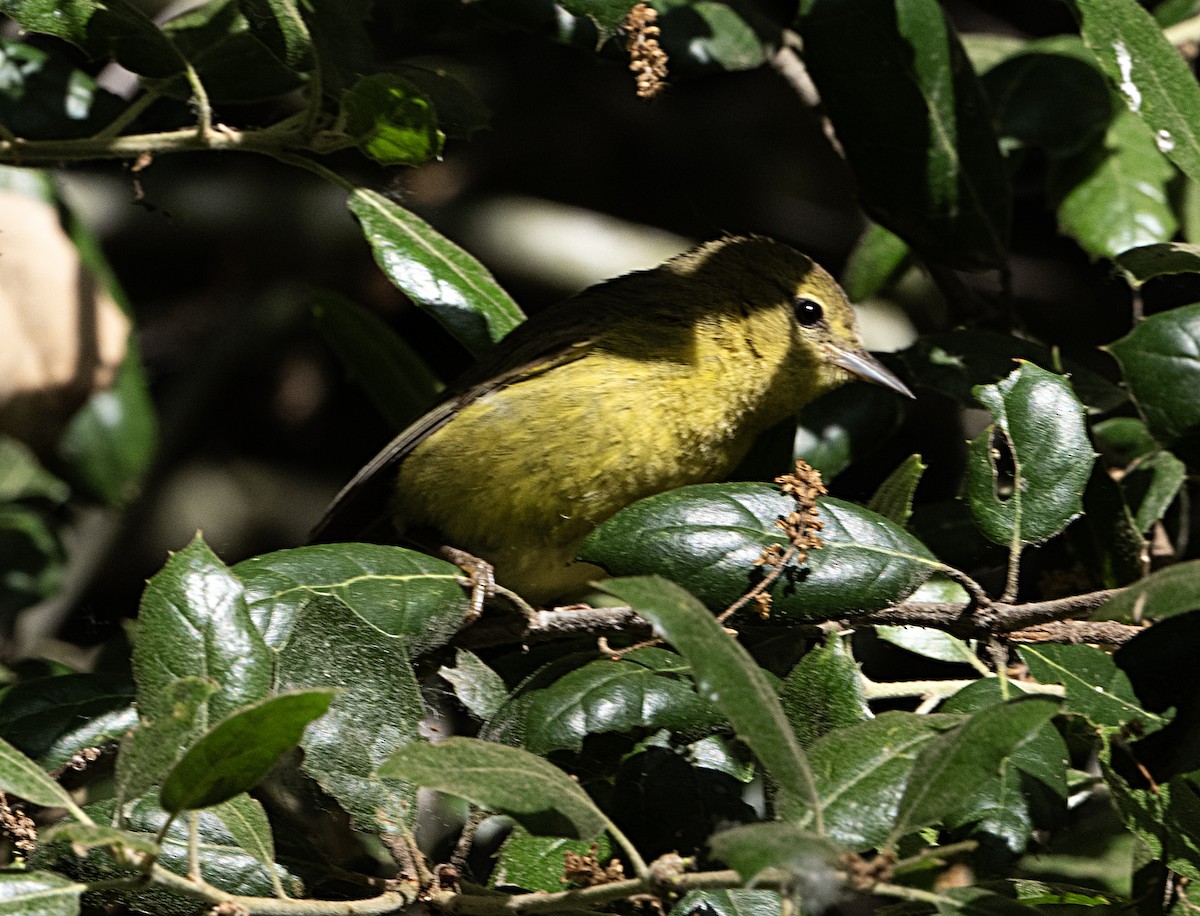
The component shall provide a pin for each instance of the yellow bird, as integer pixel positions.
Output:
(635, 386)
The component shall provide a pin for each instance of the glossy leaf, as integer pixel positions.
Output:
(236, 753)
(1164, 819)
(194, 622)
(648, 688)
(715, 36)
(400, 592)
(391, 121)
(392, 374)
(862, 771)
(507, 780)
(38, 714)
(929, 643)
(1113, 196)
(1150, 75)
(894, 498)
(378, 708)
(1160, 359)
(281, 26)
(1031, 783)
(898, 70)
(480, 689)
(709, 535)
(844, 425)
(727, 677)
(38, 893)
(1038, 421)
(114, 28)
(1095, 687)
(1161, 260)
(23, 778)
(1165, 593)
(435, 273)
(1122, 440)
(823, 692)
(955, 765)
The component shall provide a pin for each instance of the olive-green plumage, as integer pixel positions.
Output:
(645, 383)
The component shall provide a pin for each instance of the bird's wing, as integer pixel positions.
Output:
(561, 334)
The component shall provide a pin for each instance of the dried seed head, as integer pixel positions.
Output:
(647, 59)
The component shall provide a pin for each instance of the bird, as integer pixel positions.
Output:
(638, 385)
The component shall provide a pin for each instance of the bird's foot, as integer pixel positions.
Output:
(480, 577)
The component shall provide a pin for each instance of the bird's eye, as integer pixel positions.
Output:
(808, 311)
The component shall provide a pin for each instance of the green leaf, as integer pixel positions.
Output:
(1165, 593)
(461, 113)
(392, 374)
(648, 688)
(535, 863)
(955, 765)
(823, 692)
(1030, 789)
(845, 424)
(193, 622)
(34, 558)
(38, 893)
(702, 36)
(391, 121)
(897, 70)
(230, 54)
(810, 859)
(1161, 260)
(37, 714)
(281, 27)
(876, 260)
(399, 592)
(894, 498)
(928, 643)
(1151, 76)
(234, 755)
(862, 771)
(151, 750)
(708, 536)
(23, 477)
(246, 821)
(480, 689)
(111, 440)
(1151, 485)
(1160, 359)
(1164, 819)
(223, 861)
(112, 28)
(435, 273)
(1122, 440)
(507, 780)
(733, 902)
(1108, 541)
(1062, 122)
(1113, 196)
(606, 14)
(1095, 687)
(1038, 422)
(22, 777)
(727, 677)
(378, 708)
(90, 836)
(44, 98)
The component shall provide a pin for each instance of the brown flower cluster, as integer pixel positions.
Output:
(17, 826)
(647, 59)
(803, 523)
(586, 870)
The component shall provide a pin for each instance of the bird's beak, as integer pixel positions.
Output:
(867, 367)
